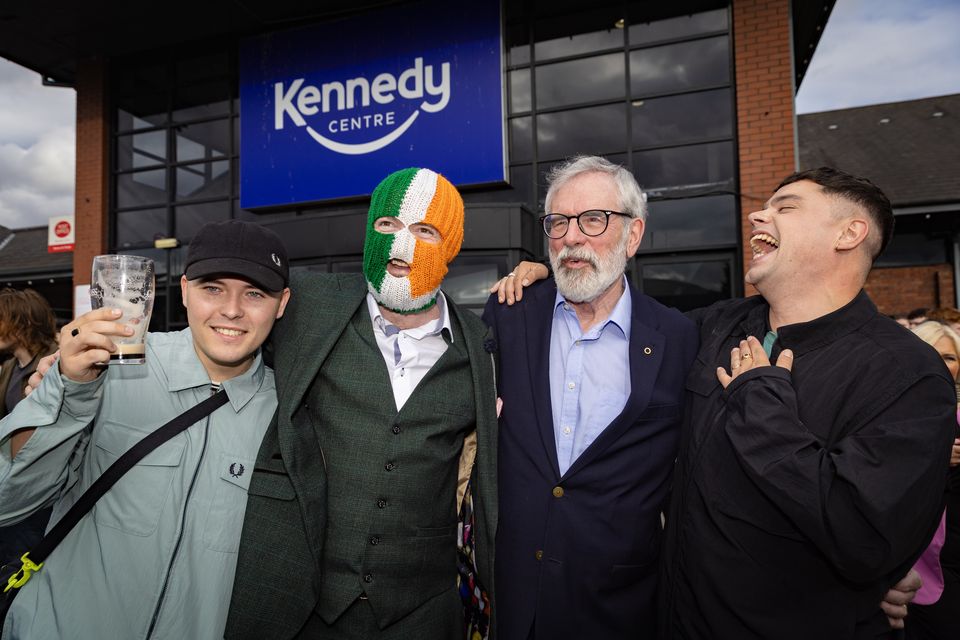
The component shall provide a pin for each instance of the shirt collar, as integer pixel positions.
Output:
(806, 336)
(622, 313)
(190, 372)
(442, 324)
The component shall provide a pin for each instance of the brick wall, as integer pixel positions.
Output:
(764, 83)
(898, 290)
(93, 177)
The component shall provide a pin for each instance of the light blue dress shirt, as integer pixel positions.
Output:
(589, 376)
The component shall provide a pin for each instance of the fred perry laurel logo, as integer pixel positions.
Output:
(276, 261)
(236, 469)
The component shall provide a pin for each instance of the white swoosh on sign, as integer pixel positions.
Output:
(366, 147)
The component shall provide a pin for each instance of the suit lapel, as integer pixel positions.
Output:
(320, 319)
(538, 324)
(324, 309)
(646, 355)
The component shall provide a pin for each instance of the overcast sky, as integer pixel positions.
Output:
(876, 51)
(872, 51)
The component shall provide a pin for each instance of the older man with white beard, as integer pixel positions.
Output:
(591, 378)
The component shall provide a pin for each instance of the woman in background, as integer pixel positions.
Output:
(935, 613)
(28, 332)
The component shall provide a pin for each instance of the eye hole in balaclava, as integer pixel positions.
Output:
(413, 196)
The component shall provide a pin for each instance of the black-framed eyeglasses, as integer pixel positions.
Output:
(591, 223)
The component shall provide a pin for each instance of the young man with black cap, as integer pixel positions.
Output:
(156, 556)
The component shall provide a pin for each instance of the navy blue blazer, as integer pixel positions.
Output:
(578, 554)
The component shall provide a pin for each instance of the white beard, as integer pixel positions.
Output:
(584, 285)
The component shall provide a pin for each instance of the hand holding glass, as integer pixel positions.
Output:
(125, 283)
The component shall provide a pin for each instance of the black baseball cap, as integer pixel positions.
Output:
(236, 247)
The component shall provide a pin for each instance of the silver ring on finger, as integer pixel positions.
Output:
(511, 275)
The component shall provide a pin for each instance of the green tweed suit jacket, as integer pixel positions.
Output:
(277, 581)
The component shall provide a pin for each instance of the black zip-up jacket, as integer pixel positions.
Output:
(800, 498)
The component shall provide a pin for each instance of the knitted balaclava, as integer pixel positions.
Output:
(412, 195)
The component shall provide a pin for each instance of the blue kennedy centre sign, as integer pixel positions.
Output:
(328, 111)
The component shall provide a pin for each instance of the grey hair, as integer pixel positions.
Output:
(632, 198)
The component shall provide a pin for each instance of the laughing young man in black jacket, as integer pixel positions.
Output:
(804, 490)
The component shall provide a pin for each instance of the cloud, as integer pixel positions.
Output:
(876, 51)
(37, 182)
(37, 148)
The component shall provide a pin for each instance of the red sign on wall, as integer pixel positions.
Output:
(60, 234)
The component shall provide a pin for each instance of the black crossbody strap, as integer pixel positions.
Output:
(102, 484)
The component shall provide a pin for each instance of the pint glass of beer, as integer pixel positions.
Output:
(125, 283)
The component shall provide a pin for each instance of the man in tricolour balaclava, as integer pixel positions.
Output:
(377, 478)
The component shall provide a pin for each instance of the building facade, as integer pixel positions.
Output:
(695, 97)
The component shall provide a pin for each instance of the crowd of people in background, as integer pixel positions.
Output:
(934, 612)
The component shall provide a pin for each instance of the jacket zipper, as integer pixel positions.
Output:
(183, 524)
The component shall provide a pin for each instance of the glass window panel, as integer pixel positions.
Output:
(141, 149)
(142, 112)
(190, 217)
(519, 54)
(595, 130)
(206, 180)
(203, 141)
(688, 285)
(579, 43)
(141, 188)
(520, 189)
(576, 81)
(703, 167)
(521, 139)
(690, 222)
(517, 40)
(683, 118)
(677, 67)
(141, 227)
(159, 257)
(468, 282)
(195, 102)
(520, 91)
(679, 27)
(907, 249)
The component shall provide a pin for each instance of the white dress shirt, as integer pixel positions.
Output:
(410, 353)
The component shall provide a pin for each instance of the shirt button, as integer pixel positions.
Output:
(566, 431)
(566, 307)
(368, 578)
(390, 466)
(381, 503)
(571, 385)
(395, 429)
(558, 492)
(375, 540)
(538, 555)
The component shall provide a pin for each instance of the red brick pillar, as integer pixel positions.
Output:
(765, 100)
(93, 166)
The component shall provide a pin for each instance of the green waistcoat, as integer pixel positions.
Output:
(391, 476)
